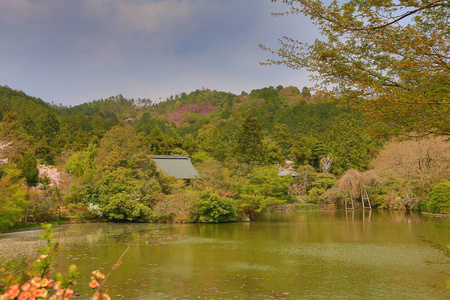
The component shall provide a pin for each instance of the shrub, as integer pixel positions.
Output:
(122, 208)
(177, 208)
(439, 199)
(213, 209)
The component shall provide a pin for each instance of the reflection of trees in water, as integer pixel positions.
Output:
(21, 245)
(121, 233)
(396, 216)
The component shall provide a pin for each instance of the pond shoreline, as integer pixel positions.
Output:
(37, 226)
(435, 215)
(282, 208)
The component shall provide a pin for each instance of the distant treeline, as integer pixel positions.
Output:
(238, 143)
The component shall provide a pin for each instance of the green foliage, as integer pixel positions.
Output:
(45, 152)
(189, 144)
(122, 196)
(274, 154)
(249, 144)
(117, 177)
(231, 139)
(263, 188)
(319, 186)
(213, 209)
(212, 140)
(81, 163)
(349, 145)
(158, 142)
(35, 116)
(12, 197)
(386, 58)
(117, 147)
(28, 166)
(49, 126)
(439, 199)
(283, 138)
(121, 207)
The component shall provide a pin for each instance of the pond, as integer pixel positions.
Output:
(286, 255)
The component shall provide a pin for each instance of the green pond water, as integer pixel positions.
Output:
(289, 255)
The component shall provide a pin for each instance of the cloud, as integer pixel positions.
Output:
(152, 16)
(35, 15)
(80, 50)
(134, 16)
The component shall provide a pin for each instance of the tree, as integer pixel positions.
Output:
(28, 166)
(249, 144)
(389, 58)
(117, 147)
(81, 163)
(207, 138)
(420, 163)
(353, 184)
(189, 144)
(122, 196)
(48, 126)
(12, 197)
(439, 199)
(349, 145)
(264, 188)
(13, 139)
(283, 137)
(157, 141)
(45, 151)
(320, 184)
(213, 209)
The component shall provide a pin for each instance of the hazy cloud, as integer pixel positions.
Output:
(73, 51)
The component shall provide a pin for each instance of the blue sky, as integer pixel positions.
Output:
(76, 51)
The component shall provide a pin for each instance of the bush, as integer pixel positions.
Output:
(177, 208)
(315, 195)
(213, 209)
(122, 208)
(439, 199)
(262, 189)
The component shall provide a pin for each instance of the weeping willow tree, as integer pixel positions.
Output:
(353, 184)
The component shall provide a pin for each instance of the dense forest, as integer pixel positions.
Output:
(93, 161)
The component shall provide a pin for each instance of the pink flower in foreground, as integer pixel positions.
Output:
(44, 282)
(13, 291)
(26, 287)
(94, 284)
(25, 296)
(106, 297)
(35, 281)
(98, 274)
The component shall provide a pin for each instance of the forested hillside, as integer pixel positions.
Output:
(93, 161)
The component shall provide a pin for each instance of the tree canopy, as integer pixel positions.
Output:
(390, 59)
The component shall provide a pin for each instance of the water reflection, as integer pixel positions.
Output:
(293, 255)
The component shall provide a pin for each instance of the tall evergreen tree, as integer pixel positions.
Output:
(249, 143)
(28, 166)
